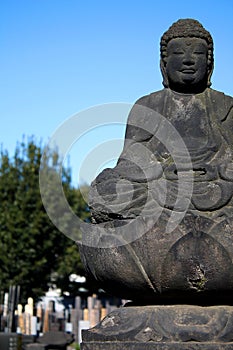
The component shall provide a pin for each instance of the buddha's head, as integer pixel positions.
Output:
(187, 56)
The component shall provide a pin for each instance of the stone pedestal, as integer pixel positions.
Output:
(155, 346)
(174, 327)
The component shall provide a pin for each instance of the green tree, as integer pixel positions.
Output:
(32, 249)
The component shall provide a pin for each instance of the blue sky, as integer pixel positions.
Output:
(59, 57)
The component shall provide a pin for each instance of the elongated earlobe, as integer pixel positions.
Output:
(164, 74)
(210, 72)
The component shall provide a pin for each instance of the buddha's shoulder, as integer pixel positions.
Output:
(220, 97)
(156, 100)
(152, 99)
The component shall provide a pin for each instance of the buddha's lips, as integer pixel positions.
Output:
(187, 71)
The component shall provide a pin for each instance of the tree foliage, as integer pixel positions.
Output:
(32, 249)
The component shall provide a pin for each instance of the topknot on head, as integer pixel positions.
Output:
(187, 28)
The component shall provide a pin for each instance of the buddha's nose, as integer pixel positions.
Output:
(188, 59)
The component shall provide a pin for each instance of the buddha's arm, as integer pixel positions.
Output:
(120, 192)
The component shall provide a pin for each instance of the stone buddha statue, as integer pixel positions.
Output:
(193, 259)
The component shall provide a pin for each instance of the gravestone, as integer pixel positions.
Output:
(56, 340)
(162, 219)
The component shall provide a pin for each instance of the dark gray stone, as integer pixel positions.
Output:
(176, 323)
(161, 327)
(56, 339)
(164, 214)
(155, 346)
(36, 346)
(162, 217)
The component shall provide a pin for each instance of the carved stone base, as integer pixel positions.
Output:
(155, 346)
(174, 327)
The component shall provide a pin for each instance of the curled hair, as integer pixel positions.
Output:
(184, 28)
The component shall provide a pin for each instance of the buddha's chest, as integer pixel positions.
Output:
(192, 121)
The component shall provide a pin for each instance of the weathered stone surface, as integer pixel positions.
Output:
(56, 339)
(36, 346)
(161, 327)
(153, 268)
(177, 323)
(155, 346)
(162, 218)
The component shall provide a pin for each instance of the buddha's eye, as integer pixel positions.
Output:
(199, 53)
(178, 52)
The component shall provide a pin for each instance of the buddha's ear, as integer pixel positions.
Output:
(210, 72)
(164, 73)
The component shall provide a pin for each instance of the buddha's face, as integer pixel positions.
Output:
(186, 64)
